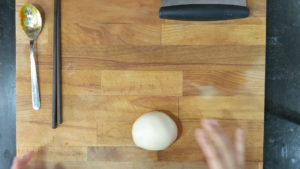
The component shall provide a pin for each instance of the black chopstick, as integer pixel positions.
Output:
(58, 87)
(54, 80)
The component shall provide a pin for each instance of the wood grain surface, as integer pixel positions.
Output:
(119, 61)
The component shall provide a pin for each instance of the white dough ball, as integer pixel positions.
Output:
(154, 131)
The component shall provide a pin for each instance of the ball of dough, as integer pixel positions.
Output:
(154, 131)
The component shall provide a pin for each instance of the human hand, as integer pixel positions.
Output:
(219, 152)
(21, 162)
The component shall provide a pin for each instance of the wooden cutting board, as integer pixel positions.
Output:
(119, 60)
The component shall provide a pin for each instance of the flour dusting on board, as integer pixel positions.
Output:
(205, 90)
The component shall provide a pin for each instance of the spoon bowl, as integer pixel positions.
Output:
(31, 22)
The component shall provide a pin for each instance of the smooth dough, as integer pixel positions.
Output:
(154, 131)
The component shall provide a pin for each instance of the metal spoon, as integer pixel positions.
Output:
(31, 22)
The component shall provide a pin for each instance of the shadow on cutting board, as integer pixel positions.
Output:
(59, 166)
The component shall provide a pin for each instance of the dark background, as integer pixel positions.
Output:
(282, 109)
(7, 83)
(282, 102)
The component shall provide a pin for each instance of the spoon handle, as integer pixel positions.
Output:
(34, 81)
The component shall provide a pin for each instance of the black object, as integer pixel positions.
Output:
(7, 83)
(54, 79)
(203, 12)
(56, 106)
(58, 66)
(282, 104)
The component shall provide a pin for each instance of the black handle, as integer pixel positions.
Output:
(203, 12)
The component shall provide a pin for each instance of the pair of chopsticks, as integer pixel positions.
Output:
(56, 86)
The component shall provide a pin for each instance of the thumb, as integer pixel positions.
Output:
(20, 162)
(240, 147)
(26, 158)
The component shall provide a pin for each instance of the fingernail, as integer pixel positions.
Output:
(207, 125)
(240, 131)
(200, 133)
(215, 123)
(28, 155)
(210, 122)
(205, 121)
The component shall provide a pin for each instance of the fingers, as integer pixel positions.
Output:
(221, 142)
(16, 164)
(220, 152)
(239, 147)
(20, 162)
(26, 158)
(209, 151)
